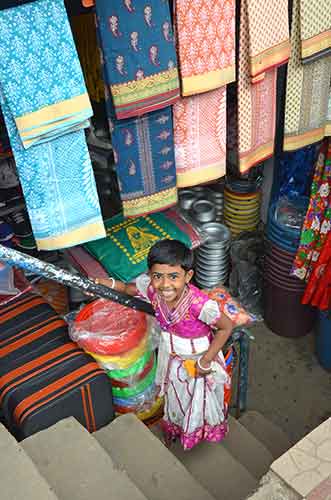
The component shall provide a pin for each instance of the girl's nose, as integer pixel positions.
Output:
(165, 281)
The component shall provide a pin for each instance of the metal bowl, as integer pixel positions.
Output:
(214, 252)
(219, 268)
(216, 232)
(203, 211)
(186, 198)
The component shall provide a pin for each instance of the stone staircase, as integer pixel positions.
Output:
(126, 461)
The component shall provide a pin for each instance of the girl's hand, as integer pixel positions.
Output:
(203, 368)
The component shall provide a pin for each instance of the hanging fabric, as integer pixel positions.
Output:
(308, 100)
(144, 157)
(84, 30)
(269, 44)
(145, 162)
(317, 223)
(318, 290)
(200, 137)
(315, 29)
(206, 44)
(46, 108)
(253, 107)
(139, 55)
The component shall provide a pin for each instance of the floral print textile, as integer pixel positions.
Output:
(317, 222)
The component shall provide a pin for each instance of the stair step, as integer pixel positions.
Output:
(19, 477)
(217, 470)
(149, 464)
(245, 448)
(266, 432)
(76, 466)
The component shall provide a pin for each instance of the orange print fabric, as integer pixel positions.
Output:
(205, 32)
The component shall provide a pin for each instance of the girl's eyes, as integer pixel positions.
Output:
(173, 277)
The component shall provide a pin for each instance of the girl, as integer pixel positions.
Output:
(192, 329)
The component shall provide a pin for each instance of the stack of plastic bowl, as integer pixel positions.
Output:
(242, 199)
(283, 312)
(118, 338)
(212, 261)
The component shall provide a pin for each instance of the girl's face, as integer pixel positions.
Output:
(169, 282)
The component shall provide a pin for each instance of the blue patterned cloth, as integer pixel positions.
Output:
(139, 54)
(293, 176)
(59, 188)
(145, 162)
(39, 67)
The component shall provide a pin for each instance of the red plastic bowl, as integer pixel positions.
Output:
(107, 328)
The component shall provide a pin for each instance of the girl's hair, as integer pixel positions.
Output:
(172, 253)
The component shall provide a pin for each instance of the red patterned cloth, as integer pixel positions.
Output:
(318, 290)
(263, 45)
(317, 225)
(200, 137)
(206, 44)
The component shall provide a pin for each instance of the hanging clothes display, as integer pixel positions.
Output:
(46, 108)
(200, 137)
(269, 44)
(317, 222)
(308, 100)
(253, 110)
(315, 29)
(84, 31)
(145, 163)
(318, 290)
(139, 55)
(205, 33)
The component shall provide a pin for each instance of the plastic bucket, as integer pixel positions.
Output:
(283, 312)
(323, 339)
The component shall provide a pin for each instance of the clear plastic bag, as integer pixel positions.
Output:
(123, 342)
(108, 329)
(7, 280)
(116, 336)
(290, 212)
(246, 276)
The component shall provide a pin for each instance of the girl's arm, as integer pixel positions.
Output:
(119, 286)
(223, 331)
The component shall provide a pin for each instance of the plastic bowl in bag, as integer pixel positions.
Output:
(107, 328)
(130, 381)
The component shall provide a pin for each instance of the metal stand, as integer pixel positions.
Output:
(241, 337)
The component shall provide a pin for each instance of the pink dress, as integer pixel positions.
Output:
(194, 407)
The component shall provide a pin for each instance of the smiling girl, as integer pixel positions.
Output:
(193, 330)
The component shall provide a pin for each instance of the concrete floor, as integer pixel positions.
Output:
(287, 385)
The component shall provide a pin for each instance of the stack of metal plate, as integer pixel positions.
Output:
(213, 257)
(217, 198)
